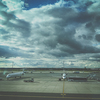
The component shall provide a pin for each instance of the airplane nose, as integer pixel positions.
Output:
(64, 77)
(7, 76)
(23, 73)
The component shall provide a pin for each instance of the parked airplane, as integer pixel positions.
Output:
(18, 74)
(63, 76)
(78, 78)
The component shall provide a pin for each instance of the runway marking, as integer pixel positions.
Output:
(63, 86)
(63, 94)
(63, 89)
(50, 97)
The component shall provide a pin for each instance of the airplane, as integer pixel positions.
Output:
(63, 77)
(74, 78)
(17, 74)
(78, 78)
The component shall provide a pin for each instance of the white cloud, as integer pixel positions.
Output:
(13, 5)
(51, 31)
(95, 7)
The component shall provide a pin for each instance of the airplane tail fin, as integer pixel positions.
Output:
(23, 71)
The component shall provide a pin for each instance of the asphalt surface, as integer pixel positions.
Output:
(46, 96)
(46, 86)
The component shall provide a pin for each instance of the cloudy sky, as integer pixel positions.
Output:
(46, 33)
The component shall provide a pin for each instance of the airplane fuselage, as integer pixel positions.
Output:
(18, 74)
(64, 76)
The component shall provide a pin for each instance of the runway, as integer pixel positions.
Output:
(46, 85)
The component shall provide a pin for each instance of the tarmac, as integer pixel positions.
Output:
(46, 96)
(47, 82)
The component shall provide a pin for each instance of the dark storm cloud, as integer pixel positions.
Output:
(66, 15)
(52, 30)
(70, 16)
(90, 26)
(85, 37)
(74, 47)
(62, 37)
(2, 6)
(96, 56)
(12, 23)
(7, 16)
(94, 24)
(2, 31)
(20, 26)
(97, 37)
(59, 54)
(51, 42)
(65, 30)
(7, 52)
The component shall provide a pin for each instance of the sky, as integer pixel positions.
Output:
(50, 33)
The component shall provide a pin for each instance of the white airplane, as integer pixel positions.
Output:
(18, 74)
(63, 76)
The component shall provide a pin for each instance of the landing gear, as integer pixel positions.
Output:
(59, 79)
